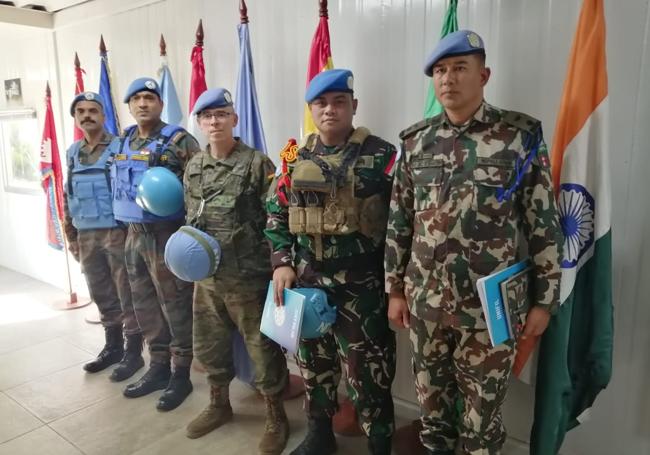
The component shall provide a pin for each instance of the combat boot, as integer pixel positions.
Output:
(177, 390)
(111, 353)
(379, 445)
(132, 360)
(155, 378)
(320, 439)
(216, 414)
(276, 428)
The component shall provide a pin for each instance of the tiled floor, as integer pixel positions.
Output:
(48, 405)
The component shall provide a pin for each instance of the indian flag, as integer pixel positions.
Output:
(575, 357)
(320, 59)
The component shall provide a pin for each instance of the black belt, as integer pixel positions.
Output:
(171, 225)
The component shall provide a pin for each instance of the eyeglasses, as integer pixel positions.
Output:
(218, 115)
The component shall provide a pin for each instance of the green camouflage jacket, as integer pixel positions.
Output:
(461, 200)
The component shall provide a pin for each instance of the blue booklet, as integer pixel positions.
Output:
(495, 308)
(282, 323)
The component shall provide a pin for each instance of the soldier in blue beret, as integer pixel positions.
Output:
(469, 180)
(94, 237)
(162, 302)
(327, 232)
(225, 189)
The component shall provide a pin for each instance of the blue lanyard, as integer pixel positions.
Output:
(532, 143)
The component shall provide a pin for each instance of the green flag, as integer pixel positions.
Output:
(432, 107)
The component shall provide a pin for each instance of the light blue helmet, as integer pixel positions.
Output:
(160, 192)
(318, 315)
(191, 254)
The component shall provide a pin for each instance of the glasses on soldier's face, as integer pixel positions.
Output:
(217, 115)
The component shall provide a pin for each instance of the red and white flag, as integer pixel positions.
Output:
(52, 177)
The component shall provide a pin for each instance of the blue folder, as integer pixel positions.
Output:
(282, 324)
(495, 308)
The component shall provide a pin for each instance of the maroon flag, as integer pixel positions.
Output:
(78, 88)
(52, 177)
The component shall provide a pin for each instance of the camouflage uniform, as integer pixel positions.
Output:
(234, 190)
(162, 302)
(350, 272)
(101, 255)
(461, 198)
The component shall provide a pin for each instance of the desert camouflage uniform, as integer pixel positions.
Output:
(162, 302)
(351, 273)
(101, 256)
(462, 196)
(234, 190)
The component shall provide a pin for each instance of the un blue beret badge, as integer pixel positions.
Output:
(351, 82)
(227, 97)
(89, 96)
(474, 40)
(151, 85)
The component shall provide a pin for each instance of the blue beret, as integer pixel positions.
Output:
(142, 84)
(215, 97)
(462, 42)
(87, 96)
(338, 80)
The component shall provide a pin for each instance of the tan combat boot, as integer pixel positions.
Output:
(216, 414)
(276, 428)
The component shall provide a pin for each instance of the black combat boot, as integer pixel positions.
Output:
(379, 445)
(132, 360)
(320, 439)
(177, 390)
(112, 352)
(156, 378)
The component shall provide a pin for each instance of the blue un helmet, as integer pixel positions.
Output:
(318, 315)
(191, 254)
(160, 192)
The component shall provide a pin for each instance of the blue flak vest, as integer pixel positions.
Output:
(126, 174)
(89, 189)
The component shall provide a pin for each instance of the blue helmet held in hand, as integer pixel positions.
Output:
(191, 254)
(318, 315)
(160, 192)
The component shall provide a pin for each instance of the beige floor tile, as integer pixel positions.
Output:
(24, 365)
(119, 425)
(15, 420)
(64, 392)
(42, 441)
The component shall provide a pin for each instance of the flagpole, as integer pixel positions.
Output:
(72, 302)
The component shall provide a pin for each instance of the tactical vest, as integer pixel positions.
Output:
(89, 189)
(126, 174)
(322, 199)
(230, 214)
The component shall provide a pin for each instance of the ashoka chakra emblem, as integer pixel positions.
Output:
(576, 207)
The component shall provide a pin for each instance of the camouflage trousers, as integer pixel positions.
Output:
(162, 302)
(362, 342)
(222, 305)
(101, 255)
(451, 363)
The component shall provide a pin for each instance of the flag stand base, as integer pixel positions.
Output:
(94, 317)
(71, 303)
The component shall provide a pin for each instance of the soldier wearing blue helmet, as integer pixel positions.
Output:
(327, 231)
(225, 190)
(94, 237)
(162, 302)
(469, 181)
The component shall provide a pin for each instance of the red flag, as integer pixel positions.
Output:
(52, 177)
(197, 81)
(320, 59)
(78, 88)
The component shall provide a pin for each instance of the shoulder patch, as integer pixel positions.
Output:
(177, 137)
(521, 121)
(422, 124)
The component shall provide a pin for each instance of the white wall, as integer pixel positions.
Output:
(384, 42)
